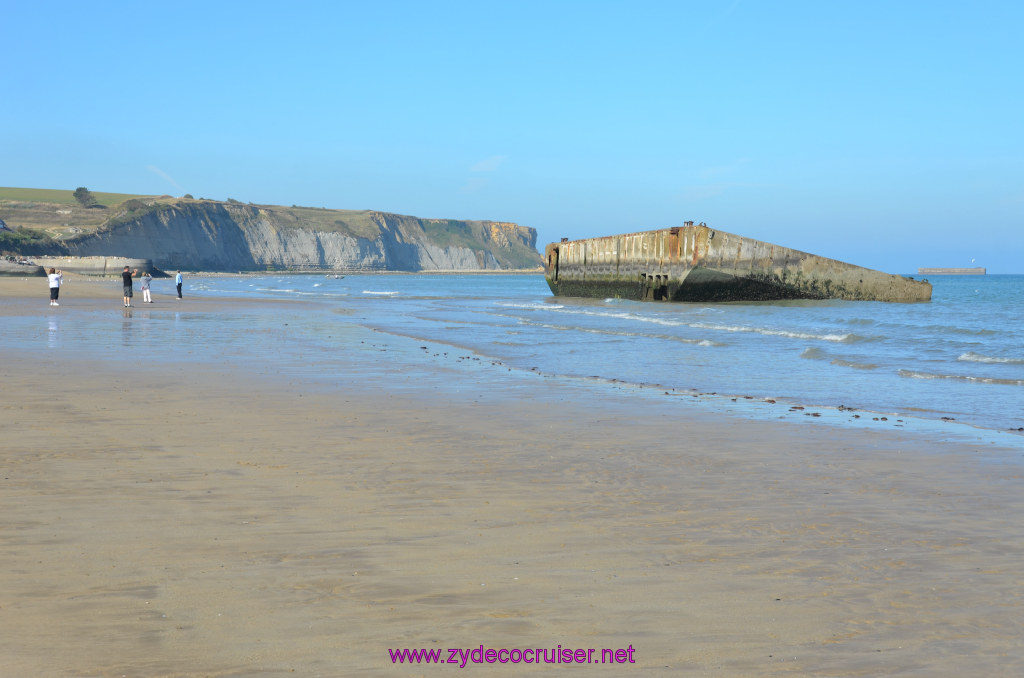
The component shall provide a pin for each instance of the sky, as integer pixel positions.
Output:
(886, 134)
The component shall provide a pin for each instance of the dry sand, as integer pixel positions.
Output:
(222, 524)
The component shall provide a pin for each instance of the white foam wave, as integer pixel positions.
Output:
(619, 315)
(667, 322)
(777, 333)
(532, 307)
(972, 357)
(961, 377)
(383, 294)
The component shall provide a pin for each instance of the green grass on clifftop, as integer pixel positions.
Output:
(57, 214)
(58, 197)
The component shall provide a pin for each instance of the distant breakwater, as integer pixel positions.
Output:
(99, 266)
(952, 271)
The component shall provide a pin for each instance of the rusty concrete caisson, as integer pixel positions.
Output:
(697, 263)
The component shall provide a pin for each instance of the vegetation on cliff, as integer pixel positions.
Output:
(14, 242)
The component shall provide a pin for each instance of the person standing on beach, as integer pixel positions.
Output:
(55, 278)
(177, 282)
(146, 280)
(126, 278)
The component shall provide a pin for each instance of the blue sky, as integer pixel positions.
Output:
(887, 134)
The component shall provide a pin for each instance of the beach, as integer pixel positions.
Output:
(171, 518)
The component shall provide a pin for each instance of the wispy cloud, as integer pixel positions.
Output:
(478, 180)
(491, 164)
(163, 175)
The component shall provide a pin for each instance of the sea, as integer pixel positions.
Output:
(953, 367)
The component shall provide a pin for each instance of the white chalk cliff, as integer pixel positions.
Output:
(218, 236)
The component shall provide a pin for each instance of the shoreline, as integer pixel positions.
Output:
(95, 291)
(189, 519)
(167, 273)
(770, 409)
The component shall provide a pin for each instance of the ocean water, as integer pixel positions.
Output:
(958, 359)
(955, 364)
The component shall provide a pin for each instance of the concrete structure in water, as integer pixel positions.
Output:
(698, 263)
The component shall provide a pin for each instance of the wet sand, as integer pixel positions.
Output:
(216, 522)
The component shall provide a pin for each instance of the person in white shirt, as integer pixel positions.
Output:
(55, 277)
(146, 280)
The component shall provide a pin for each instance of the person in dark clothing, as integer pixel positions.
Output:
(126, 278)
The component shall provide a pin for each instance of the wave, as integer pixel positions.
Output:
(619, 315)
(614, 333)
(857, 366)
(705, 309)
(624, 315)
(843, 338)
(955, 329)
(533, 306)
(383, 294)
(972, 357)
(287, 292)
(960, 377)
(815, 353)
(847, 337)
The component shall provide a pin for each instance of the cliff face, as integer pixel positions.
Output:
(215, 236)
